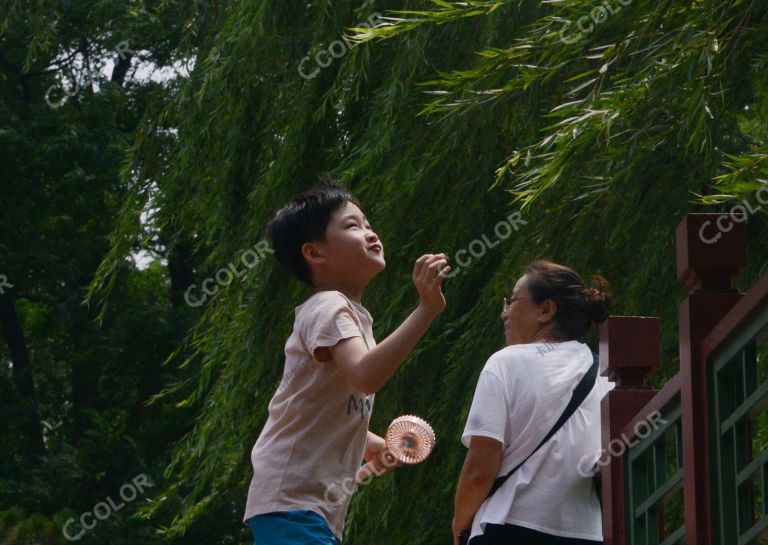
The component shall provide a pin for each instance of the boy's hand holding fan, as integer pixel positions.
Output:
(409, 440)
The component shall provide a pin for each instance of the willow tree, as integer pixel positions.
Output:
(74, 425)
(601, 128)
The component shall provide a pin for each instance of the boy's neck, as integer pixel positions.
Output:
(353, 293)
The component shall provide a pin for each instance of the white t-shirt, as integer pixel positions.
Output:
(313, 441)
(522, 391)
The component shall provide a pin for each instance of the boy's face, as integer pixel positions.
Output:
(351, 250)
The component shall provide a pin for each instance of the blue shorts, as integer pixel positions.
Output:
(291, 527)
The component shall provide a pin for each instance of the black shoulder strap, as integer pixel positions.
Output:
(580, 393)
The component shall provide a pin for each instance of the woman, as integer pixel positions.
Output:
(522, 391)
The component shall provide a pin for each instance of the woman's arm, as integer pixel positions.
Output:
(481, 467)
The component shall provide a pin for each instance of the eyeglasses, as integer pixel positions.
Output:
(509, 300)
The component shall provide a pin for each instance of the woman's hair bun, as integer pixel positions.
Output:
(599, 298)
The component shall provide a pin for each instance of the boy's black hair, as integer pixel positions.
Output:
(305, 219)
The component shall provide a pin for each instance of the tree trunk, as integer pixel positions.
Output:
(122, 64)
(22, 376)
(180, 271)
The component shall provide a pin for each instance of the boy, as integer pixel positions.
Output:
(317, 430)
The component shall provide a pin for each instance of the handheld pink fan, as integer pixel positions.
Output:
(409, 440)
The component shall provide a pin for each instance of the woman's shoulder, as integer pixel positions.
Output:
(526, 357)
(515, 353)
(507, 359)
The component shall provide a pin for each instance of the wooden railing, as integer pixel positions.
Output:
(642, 462)
(687, 464)
(736, 353)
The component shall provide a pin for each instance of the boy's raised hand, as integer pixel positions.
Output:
(369, 369)
(428, 274)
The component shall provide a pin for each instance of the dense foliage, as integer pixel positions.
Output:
(600, 128)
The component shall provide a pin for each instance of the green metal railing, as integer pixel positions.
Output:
(738, 436)
(653, 485)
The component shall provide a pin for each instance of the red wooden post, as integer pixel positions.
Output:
(630, 348)
(711, 250)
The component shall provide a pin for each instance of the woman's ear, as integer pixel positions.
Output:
(547, 311)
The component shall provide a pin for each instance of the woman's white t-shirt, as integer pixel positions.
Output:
(522, 391)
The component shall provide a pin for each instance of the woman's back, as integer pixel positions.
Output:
(521, 393)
